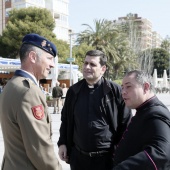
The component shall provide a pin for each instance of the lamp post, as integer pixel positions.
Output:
(71, 59)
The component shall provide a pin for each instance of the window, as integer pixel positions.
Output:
(18, 0)
(7, 12)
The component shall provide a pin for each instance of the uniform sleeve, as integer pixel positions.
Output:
(155, 153)
(36, 130)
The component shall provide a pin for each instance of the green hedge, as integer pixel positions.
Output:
(119, 81)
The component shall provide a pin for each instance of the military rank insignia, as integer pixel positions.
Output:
(44, 42)
(38, 112)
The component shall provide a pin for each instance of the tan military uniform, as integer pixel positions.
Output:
(26, 127)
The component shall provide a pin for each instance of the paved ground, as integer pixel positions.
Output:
(165, 98)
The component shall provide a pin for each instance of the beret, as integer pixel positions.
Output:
(40, 42)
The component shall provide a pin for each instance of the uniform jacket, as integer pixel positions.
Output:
(112, 104)
(26, 131)
(146, 143)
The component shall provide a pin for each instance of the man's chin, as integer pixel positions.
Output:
(44, 76)
(88, 78)
(128, 105)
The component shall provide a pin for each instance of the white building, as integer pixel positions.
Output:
(142, 28)
(58, 8)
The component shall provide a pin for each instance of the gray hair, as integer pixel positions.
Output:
(25, 50)
(57, 83)
(142, 77)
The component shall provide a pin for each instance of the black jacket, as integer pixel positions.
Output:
(112, 104)
(146, 143)
(57, 92)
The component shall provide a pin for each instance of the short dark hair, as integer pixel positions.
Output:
(98, 53)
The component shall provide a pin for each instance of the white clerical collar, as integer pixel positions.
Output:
(95, 85)
(90, 86)
(31, 76)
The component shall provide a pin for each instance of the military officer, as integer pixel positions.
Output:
(25, 121)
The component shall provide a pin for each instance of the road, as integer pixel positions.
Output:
(165, 98)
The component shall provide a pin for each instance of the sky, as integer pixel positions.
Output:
(86, 11)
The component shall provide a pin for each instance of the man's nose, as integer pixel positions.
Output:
(123, 91)
(52, 64)
(87, 66)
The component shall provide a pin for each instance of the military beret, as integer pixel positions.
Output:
(40, 42)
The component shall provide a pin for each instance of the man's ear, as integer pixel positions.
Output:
(32, 56)
(146, 86)
(103, 69)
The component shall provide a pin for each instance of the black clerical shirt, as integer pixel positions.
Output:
(91, 130)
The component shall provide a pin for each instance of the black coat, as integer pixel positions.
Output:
(57, 92)
(112, 104)
(146, 143)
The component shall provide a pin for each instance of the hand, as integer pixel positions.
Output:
(62, 152)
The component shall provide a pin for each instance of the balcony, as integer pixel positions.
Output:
(56, 15)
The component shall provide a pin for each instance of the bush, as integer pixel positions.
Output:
(48, 97)
(119, 81)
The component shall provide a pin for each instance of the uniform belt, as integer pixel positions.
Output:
(92, 154)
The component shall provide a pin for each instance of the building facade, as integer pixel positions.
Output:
(156, 40)
(58, 8)
(146, 37)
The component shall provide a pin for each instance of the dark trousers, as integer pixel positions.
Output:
(78, 161)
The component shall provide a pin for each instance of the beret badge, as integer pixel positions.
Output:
(44, 42)
(40, 42)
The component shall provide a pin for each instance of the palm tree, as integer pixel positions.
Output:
(127, 57)
(108, 38)
(100, 36)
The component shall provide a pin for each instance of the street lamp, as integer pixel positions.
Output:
(71, 59)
